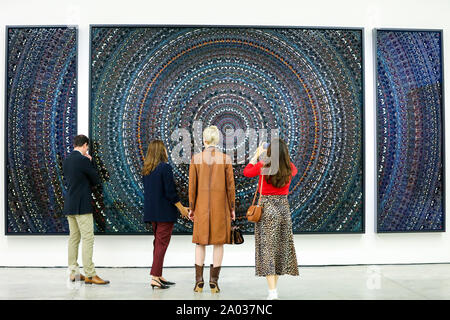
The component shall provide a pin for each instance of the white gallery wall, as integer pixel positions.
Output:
(312, 249)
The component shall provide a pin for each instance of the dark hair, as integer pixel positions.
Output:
(156, 153)
(80, 140)
(283, 175)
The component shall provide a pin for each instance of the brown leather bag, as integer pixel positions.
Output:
(254, 212)
(236, 235)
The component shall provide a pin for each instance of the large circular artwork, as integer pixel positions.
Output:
(147, 82)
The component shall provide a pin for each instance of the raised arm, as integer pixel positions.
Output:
(253, 170)
(90, 171)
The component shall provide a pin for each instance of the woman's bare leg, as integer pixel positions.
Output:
(272, 281)
(199, 254)
(217, 255)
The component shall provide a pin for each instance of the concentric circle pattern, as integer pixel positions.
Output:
(41, 122)
(409, 109)
(147, 82)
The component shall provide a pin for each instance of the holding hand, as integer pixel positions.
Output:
(191, 215)
(233, 215)
(184, 212)
(87, 155)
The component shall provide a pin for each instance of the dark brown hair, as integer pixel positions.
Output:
(283, 175)
(156, 153)
(80, 140)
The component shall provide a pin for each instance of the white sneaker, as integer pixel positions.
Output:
(273, 295)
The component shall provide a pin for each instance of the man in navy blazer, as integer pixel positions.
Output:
(80, 176)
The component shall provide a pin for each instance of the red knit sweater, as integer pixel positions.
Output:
(268, 189)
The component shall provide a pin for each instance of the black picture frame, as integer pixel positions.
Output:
(376, 101)
(6, 207)
(360, 29)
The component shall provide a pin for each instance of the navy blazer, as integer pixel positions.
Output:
(160, 195)
(80, 175)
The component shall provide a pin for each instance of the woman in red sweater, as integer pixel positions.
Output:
(274, 242)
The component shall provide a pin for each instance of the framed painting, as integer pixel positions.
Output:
(410, 130)
(306, 84)
(40, 122)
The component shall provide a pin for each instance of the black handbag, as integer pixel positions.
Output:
(236, 235)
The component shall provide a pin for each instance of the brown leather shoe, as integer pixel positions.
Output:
(78, 277)
(95, 280)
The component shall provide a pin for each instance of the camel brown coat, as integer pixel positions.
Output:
(211, 196)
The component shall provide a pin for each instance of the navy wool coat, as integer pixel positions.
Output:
(80, 175)
(160, 195)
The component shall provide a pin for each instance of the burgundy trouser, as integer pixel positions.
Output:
(162, 232)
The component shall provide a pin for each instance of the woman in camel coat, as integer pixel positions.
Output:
(211, 205)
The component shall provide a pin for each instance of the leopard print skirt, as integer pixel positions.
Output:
(274, 240)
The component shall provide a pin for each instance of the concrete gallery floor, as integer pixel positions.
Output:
(425, 281)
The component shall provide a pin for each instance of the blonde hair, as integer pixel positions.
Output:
(156, 153)
(211, 135)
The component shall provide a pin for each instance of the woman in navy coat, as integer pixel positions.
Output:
(161, 205)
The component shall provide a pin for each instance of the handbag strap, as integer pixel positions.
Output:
(260, 191)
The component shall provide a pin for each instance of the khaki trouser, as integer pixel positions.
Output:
(81, 227)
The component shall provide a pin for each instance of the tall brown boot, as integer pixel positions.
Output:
(214, 278)
(198, 278)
